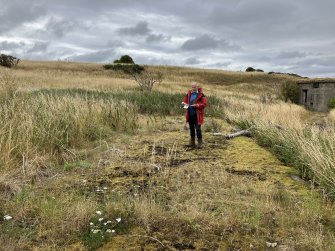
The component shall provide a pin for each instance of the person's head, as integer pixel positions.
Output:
(194, 87)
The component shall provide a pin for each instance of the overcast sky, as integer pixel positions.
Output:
(296, 36)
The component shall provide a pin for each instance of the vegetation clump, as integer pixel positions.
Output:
(125, 65)
(125, 68)
(289, 92)
(8, 61)
(125, 59)
(331, 103)
(251, 69)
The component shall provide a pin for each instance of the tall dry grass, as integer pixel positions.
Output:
(332, 115)
(283, 128)
(41, 124)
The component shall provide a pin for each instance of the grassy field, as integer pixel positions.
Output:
(88, 161)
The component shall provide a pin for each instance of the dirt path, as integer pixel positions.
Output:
(229, 195)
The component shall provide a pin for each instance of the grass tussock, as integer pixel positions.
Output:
(33, 125)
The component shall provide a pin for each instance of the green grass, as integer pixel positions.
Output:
(53, 124)
(152, 103)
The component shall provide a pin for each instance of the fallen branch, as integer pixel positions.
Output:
(246, 133)
(239, 133)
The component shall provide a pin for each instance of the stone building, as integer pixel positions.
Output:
(316, 93)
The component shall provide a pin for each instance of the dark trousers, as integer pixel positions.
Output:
(193, 122)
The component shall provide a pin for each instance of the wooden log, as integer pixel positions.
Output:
(239, 133)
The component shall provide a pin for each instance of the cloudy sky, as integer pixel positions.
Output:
(287, 36)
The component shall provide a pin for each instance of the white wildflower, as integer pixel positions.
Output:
(91, 224)
(101, 219)
(105, 188)
(118, 219)
(98, 212)
(108, 231)
(109, 221)
(95, 231)
(105, 223)
(7, 217)
(113, 231)
(271, 244)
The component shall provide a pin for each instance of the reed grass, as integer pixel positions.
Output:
(43, 124)
(151, 103)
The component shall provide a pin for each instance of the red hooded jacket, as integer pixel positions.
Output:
(200, 104)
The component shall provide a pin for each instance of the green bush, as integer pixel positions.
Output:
(8, 61)
(125, 68)
(289, 91)
(250, 69)
(331, 103)
(125, 59)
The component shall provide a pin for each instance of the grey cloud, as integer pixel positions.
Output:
(291, 54)
(199, 43)
(38, 47)
(141, 28)
(153, 60)
(5, 45)
(151, 38)
(269, 34)
(220, 64)
(114, 43)
(60, 27)
(326, 61)
(97, 56)
(192, 61)
(207, 42)
(251, 12)
(15, 13)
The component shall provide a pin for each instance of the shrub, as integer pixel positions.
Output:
(250, 69)
(125, 59)
(259, 70)
(289, 91)
(125, 68)
(147, 79)
(331, 103)
(8, 61)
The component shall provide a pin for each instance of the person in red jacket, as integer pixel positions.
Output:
(195, 102)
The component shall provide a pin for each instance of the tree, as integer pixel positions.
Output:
(250, 69)
(125, 59)
(8, 61)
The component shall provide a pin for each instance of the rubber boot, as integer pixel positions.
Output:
(192, 142)
(199, 143)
